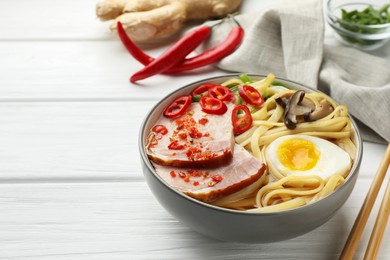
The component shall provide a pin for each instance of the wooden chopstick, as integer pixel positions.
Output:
(380, 226)
(361, 220)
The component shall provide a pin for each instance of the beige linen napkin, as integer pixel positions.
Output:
(288, 40)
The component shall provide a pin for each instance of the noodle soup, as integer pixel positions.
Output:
(252, 145)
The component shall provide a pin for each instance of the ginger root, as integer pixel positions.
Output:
(146, 20)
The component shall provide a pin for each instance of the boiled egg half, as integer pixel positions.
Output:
(302, 155)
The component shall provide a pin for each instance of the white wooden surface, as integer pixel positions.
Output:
(71, 185)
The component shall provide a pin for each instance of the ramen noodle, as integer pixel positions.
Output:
(304, 140)
(281, 190)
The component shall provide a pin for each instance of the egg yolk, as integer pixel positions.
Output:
(298, 154)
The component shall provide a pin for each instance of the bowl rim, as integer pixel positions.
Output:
(354, 170)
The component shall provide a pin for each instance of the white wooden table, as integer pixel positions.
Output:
(71, 185)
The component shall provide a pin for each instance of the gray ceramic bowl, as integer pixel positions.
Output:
(231, 225)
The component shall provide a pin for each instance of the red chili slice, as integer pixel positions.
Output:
(250, 95)
(160, 129)
(217, 178)
(242, 123)
(178, 107)
(201, 90)
(176, 146)
(203, 121)
(212, 105)
(222, 93)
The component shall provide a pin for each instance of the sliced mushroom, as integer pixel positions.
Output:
(295, 108)
(321, 111)
(299, 109)
(283, 100)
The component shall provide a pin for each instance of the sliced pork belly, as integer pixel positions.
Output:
(211, 184)
(196, 139)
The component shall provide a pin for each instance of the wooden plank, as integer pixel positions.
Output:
(123, 220)
(64, 20)
(81, 70)
(46, 19)
(69, 140)
(85, 140)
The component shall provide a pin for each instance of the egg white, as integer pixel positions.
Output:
(332, 159)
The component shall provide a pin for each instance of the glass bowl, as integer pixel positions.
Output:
(364, 37)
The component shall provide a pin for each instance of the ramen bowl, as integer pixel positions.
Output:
(240, 226)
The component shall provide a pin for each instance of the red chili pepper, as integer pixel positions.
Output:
(208, 57)
(242, 123)
(133, 49)
(250, 95)
(178, 107)
(212, 105)
(160, 129)
(222, 93)
(212, 55)
(175, 54)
